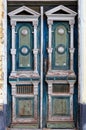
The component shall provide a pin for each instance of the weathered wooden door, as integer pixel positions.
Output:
(42, 76)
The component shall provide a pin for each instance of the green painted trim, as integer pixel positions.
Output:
(61, 125)
(25, 126)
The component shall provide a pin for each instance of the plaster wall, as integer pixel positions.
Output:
(82, 50)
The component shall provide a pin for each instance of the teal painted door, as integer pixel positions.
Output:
(58, 79)
(58, 98)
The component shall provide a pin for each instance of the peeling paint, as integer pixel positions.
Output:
(1, 46)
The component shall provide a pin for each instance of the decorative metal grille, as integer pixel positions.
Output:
(60, 88)
(24, 89)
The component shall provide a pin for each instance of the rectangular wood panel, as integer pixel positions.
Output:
(25, 107)
(60, 106)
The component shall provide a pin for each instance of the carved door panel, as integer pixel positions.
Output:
(58, 78)
(24, 76)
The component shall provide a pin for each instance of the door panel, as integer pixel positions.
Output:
(60, 45)
(60, 76)
(24, 46)
(24, 76)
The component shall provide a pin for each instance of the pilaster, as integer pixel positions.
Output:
(71, 22)
(35, 50)
(13, 50)
(50, 23)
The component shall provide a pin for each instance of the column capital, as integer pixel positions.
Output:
(35, 23)
(71, 22)
(50, 22)
(13, 23)
(72, 82)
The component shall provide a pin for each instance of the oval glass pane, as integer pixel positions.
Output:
(61, 31)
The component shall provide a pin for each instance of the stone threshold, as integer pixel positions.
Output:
(37, 129)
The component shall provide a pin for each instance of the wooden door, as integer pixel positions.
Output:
(42, 98)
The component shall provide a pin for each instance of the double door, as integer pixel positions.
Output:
(42, 76)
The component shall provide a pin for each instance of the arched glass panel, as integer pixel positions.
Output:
(60, 46)
(24, 47)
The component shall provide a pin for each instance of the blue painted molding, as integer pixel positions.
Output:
(24, 79)
(61, 78)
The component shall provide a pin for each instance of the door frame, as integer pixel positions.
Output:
(80, 75)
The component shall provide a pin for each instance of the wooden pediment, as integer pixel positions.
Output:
(23, 9)
(63, 9)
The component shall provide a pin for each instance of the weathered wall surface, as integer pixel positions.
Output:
(82, 62)
(2, 71)
(1, 46)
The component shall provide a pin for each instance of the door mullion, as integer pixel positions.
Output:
(41, 89)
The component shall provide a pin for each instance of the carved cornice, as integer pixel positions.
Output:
(68, 16)
(24, 74)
